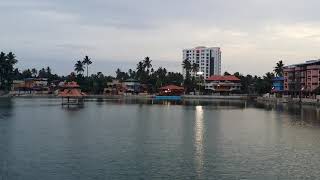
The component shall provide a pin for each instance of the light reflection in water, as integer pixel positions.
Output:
(198, 140)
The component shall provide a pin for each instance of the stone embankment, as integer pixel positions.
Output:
(303, 101)
(213, 97)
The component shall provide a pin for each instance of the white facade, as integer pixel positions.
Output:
(208, 59)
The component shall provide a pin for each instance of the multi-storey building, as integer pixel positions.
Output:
(303, 77)
(207, 58)
(223, 84)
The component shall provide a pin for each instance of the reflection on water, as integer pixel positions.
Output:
(198, 136)
(6, 105)
(298, 115)
(146, 139)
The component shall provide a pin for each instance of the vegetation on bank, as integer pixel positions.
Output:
(144, 72)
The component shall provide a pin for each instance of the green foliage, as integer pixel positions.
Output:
(189, 83)
(144, 72)
(122, 76)
(7, 62)
(279, 69)
(154, 79)
(254, 84)
(87, 61)
(78, 67)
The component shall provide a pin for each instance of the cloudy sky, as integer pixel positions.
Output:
(253, 34)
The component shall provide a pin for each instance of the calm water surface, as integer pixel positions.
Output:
(157, 140)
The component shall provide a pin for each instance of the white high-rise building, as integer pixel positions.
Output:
(208, 59)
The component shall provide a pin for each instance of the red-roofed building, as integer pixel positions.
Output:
(71, 90)
(222, 84)
(171, 90)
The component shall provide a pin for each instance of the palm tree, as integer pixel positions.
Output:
(34, 72)
(195, 68)
(2, 68)
(78, 67)
(187, 66)
(48, 71)
(147, 65)
(42, 73)
(7, 62)
(11, 58)
(87, 61)
(279, 69)
(140, 70)
(147, 62)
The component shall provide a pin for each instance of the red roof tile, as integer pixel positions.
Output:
(171, 87)
(223, 78)
(71, 93)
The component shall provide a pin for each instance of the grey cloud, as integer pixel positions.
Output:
(119, 31)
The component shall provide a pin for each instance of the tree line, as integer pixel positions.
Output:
(153, 78)
(144, 72)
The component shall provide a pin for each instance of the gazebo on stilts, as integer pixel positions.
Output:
(71, 94)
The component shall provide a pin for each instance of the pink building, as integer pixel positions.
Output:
(302, 78)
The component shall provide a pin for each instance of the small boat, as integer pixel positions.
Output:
(168, 98)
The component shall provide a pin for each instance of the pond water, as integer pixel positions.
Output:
(117, 139)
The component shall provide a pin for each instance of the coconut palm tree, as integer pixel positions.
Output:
(2, 68)
(146, 65)
(147, 62)
(11, 58)
(87, 61)
(195, 68)
(78, 67)
(187, 79)
(140, 70)
(34, 72)
(48, 71)
(187, 66)
(6, 69)
(279, 68)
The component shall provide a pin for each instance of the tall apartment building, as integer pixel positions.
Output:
(208, 59)
(303, 77)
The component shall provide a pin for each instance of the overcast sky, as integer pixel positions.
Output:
(253, 34)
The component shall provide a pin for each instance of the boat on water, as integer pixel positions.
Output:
(168, 98)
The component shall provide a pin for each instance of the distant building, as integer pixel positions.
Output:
(132, 86)
(302, 78)
(222, 84)
(208, 59)
(171, 90)
(115, 88)
(30, 85)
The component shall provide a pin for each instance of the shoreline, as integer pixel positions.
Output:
(265, 100)
(294, 101)
(183, 97)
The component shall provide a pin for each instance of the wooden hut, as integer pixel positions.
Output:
(71, 94)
